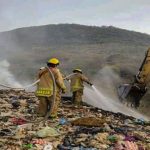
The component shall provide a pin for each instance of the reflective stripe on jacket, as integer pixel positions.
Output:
(45, 86)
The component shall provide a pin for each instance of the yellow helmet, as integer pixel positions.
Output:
(54, 61)
(77, 70)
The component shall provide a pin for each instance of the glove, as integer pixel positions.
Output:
(63, 91)
(68, 80)
(90, 83)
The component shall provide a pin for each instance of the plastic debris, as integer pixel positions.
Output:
(48, 147)
(39, 141)
(63, 121)
(27, 146)
(47, 131)
(139, 121)
(6, 132)
(112, 138)
(72, 131)
(18, 121)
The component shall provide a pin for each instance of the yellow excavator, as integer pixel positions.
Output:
(131, 94)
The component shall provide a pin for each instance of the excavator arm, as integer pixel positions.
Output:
(144, 72)
(132, 93)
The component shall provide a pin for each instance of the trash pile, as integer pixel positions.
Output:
(76, 128)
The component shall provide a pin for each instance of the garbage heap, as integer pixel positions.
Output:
(82, 128)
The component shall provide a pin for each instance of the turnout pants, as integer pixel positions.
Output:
(77, 97)
(45, 104)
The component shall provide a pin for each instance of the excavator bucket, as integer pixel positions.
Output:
(123, 91)
(132, 93)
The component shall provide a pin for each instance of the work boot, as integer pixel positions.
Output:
(53, 117)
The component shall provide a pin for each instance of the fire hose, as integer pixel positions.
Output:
(52, 103)
(30, 85)
(21, 88)
(54, 94)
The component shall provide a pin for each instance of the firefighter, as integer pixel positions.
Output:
(77, 87)
(44, 90)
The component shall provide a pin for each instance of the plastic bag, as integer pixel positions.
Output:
(47, 131)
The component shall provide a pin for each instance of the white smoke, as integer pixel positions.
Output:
(6, 77)
(105, 96)
(107, 80)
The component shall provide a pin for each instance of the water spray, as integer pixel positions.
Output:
(96, 98)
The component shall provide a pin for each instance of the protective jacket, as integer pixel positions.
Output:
(77, 81)
(45, 86)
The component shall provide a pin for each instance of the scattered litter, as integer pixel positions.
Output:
(18, 121)
(100, 130)
(39, 141)
(27, 146)
(63, 121)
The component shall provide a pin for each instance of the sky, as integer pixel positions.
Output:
(126, 14)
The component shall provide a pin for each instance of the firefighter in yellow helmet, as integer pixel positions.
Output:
(44, 90)
(77, 86)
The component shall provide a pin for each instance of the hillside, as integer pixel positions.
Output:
(64, 34)
(68, 42)
(72, 34)
(87, 47)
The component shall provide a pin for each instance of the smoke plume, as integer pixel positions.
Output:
(6, 77)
